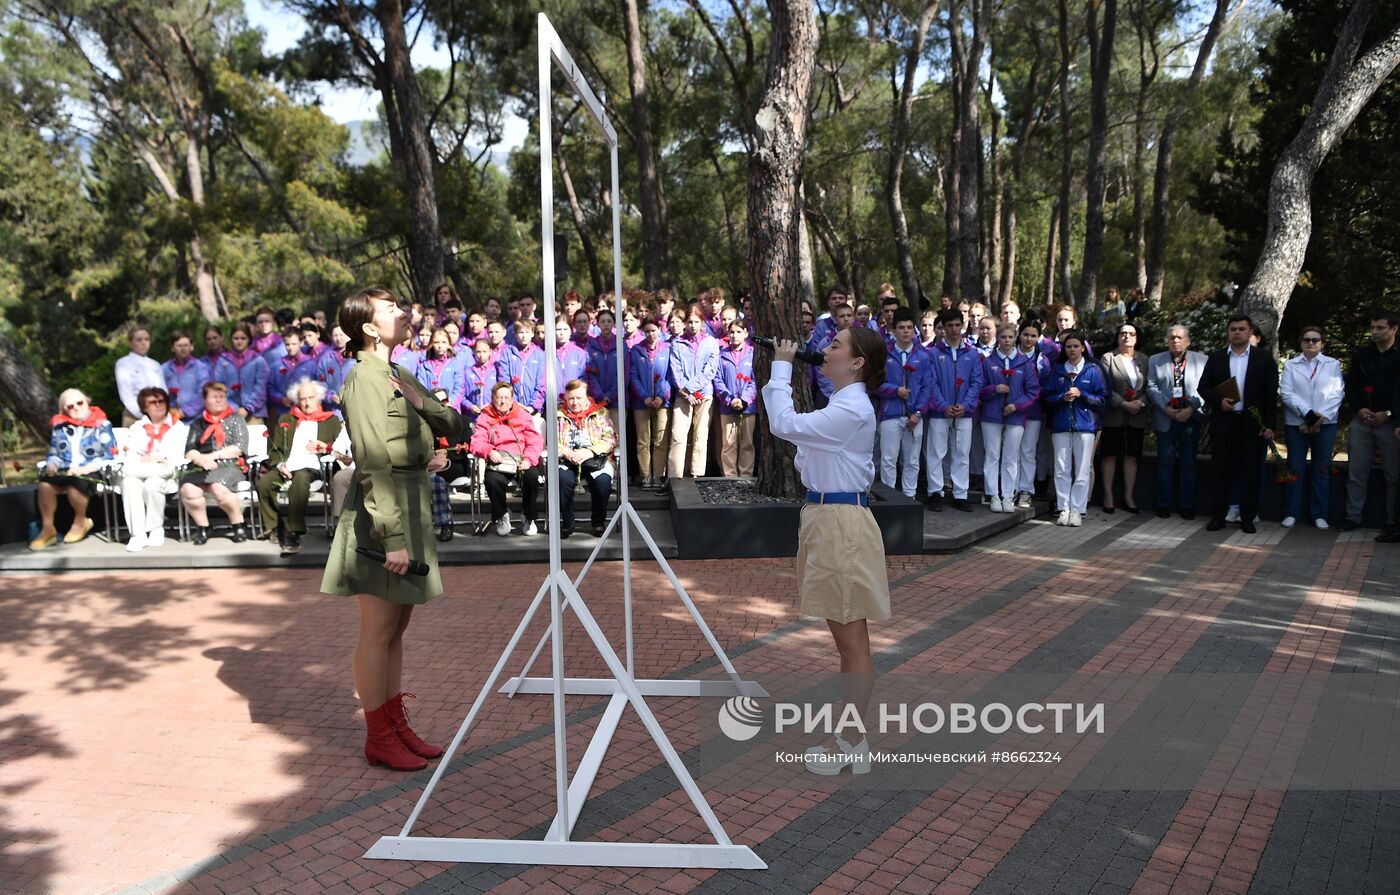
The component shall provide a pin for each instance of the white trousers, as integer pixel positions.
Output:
(938, 443)
(1030, 443)
(1074, 455)
(144, 491)
(1001, 463)
(897, 438)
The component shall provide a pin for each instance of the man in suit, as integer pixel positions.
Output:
(295, 446)
(1234, 432)
(1173, 377)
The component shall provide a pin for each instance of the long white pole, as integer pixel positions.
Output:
(624, 422)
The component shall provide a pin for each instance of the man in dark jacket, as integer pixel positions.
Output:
(1371, 386)
(1237, 425)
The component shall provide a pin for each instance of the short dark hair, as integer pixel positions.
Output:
(950, 315)
(453, 302)
(1240, 318)
(1390, 317)
(889, 300)
(150, 392)
(1073, 334)
(902, 315)
(289, 331)
(309, 327)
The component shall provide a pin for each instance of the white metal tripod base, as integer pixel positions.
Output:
(601, 686)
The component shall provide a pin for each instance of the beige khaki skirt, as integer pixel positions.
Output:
(841, 564)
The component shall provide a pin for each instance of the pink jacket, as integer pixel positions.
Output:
(514, 433)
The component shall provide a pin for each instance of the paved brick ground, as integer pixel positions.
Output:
(197, 732)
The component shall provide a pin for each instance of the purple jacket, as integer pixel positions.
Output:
(735, 380)
(284, 374)
(916, 374)
(1024, 381)
(186, 385)
(524, 370)
(955, 381)
(477, 382)
(444, 373)
(573, 362)
(649, 374)
(246, 378)
(601, 373)
(694, 364)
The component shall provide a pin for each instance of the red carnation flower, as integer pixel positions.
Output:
(1129, 394)
(17, 466)
(1370, 389)
(515, 380)
(908, 368)
(959, 383)
(1008, 372)
(286, 425)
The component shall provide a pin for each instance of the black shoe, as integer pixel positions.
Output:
(1216, 523)
(1163, 513)
(1110, 510)
(1131, 511)
(598, 529)
(961, 505)
(265, 535)
(240, 534)
(1188, 515)
(1389, 537)
(1348, 525)
(291, 543)
(935, 502)
(566, 533)
(445, 533)
(201, 535)
(1247, 527)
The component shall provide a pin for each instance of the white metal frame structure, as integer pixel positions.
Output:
(557, 848)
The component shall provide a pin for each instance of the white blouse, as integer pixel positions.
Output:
(835, 445)
(1314, 385)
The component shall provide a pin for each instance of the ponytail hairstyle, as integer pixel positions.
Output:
(355, 311)
(870, 347)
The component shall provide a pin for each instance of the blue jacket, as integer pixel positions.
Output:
(572, 362)
(1024, 381)
(332, 369)
(524, 370)
(94, 443)
(284, 374)
(735, 380)
(247, 385)
(1036, 412)
(918, 380)
(694, 364)
(649, 375)
(186, 386)
(1081, 415)
(601, 372)
(821, 337)
(444, 373)
(955, 381)
(477, 381)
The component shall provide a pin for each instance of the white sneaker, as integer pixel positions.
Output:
(1257, 519)
(1321, 524)
(503, 525)
(1064, 518)
(829, 760)
(996, 505)
(1288, 521)
(155, 538)
(136, 544)
(1075, 520)
(530, 528)
(1023, 501)
(1233, 515)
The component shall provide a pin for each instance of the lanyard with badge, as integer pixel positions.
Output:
(1179, 379)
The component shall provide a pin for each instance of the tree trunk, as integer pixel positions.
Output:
(1346, 88)
(416, 161)
(899, 149)
(1139, 193)
(970, 273)
(774, 207)
(1050, 256)
(1066, 158)
(993, 258)
(25, 390)
(1166, 141)
(818, 221)
(656, 240)
(576, 213)
(1100, 66)
(952, 177)
(1008, 255)
(806, 275)
(730, 230)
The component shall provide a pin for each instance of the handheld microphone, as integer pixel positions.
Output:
(415, 566)
(806, 355)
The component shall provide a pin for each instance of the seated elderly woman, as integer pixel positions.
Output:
(295, 447)
(215, 447)
(586, 444)
(81, 444)
(506, 438)
(154, 451)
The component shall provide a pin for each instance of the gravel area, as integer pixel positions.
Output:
(733, 491)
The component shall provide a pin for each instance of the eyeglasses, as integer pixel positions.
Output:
(71, 404)
(1312, 338)
(155, 401)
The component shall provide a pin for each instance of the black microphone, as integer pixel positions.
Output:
(806, 355)
(415, 566)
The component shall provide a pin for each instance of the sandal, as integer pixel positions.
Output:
(87, 527)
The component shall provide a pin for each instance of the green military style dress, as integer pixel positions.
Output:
(389, 505)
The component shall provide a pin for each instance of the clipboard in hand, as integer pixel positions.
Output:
(1230, 388)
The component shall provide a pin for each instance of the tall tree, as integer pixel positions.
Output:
(1166, 145)
(902, 86)
(656, 238)
(775, 175)
(1346, 88)
(1066, 158)
(972, 273)
(1095, 180)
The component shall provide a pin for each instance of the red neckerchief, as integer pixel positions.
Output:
(317, 417)
(579, 417)
(94, 419)
(155, 434)
(216, 427)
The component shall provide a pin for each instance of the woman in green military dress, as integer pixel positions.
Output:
(393, 422)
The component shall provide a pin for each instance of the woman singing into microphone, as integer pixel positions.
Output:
(392, 421)
(840, 556)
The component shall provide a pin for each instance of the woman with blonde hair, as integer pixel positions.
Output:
(81, 442)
